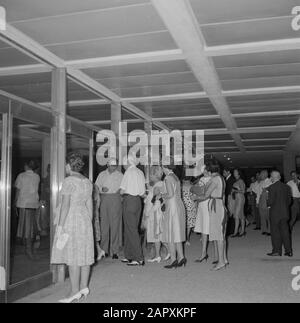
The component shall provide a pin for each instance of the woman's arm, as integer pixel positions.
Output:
(65, 207)
(89, 205)
(170, 190)
(241, 188)
(210, 188)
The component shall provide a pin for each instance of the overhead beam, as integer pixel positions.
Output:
(180, 20)
(186, 96)
(253, 47)
(137, 58)
(208, 117)
(294, 141)
(24, 69)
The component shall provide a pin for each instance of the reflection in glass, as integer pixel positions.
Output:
(30, 215)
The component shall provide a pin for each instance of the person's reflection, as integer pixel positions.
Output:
(45, 204)
(27, 203)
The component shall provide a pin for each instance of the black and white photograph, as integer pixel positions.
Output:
(149, 154)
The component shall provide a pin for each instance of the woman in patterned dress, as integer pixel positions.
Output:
(190, 206)
(74, 242)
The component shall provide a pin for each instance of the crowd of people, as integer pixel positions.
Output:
(111, 214)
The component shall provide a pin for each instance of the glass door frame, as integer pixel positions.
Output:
(18, 108)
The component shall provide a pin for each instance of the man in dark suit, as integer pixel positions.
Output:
(229, 180)
(279, 200)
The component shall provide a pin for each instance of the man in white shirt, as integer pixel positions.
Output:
(262, 197)
(132, 189)
(294, 184)
(108, 183)
(27, 202)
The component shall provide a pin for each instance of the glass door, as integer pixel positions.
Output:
(30, 201)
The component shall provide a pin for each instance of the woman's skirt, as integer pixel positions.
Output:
(27, 226)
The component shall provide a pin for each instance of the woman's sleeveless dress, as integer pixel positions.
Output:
(239, 200)
(79, 249)
(202, 219)
(217, 211)
(174, 219)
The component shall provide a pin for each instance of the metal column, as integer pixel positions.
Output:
(58, 150)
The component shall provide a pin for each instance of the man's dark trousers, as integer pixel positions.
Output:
(280, 235)
(132, 208)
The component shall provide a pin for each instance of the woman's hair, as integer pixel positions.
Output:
(213, 167)
(32, 164)
(156, 171)
(238, 171)
(75, 160)
(171, 165)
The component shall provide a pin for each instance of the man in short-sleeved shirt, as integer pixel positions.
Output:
(108, 183)
(27, 201)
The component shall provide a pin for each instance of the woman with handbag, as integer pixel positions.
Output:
(74, 241)
(238, 196)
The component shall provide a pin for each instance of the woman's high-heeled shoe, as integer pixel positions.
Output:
(234, 235)
(71, 299)
(157, 259)
(101, 255)
(202, 259)
(182, 262)
(168, 256)
(85, 292)
(174, 264)
(242, 234)
(217, 267)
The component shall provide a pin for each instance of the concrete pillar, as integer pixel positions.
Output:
(148, 129)
(46, 155)
(116, 117)
(289, 164)
(58, 149)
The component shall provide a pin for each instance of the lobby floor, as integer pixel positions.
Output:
(251, 277)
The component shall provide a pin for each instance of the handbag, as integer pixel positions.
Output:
(62, 241)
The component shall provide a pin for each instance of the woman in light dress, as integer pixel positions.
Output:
(215, 194)
(174, 220)
(202, 219)
(74, 242)
(238, 197)
(153, 211)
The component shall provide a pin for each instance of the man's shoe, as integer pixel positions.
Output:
(106, 255)
(268, 234)
(115, 256)
(289, 254)
(274, 254)
(264, 233)
(256, 229)
(136, 263)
